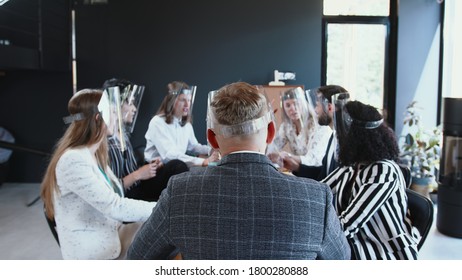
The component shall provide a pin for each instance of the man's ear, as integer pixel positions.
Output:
(271, 132)
(211, 137)
(330, 107)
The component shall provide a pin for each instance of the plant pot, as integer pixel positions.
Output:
(423, 185)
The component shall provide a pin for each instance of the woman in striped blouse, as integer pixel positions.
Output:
(370, 189)
(141, 180)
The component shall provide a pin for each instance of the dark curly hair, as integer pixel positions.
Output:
(362, 145)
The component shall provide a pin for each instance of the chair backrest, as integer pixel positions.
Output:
(52, 225)
(407, 174)
(421, 209)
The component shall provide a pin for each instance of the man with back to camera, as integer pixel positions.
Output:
(242, 208)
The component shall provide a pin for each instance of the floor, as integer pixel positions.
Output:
(24, 233)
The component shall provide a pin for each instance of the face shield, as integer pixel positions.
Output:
(320, 105)
(130, 102)
(311, 96)
(342, 120)
(245, 128)
(182, 101)
(111, 112)
(294, 107)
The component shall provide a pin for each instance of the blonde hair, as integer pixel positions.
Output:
(237, 103)
(80, 133)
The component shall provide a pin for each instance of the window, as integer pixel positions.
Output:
(452, 51)
(356, 7)
(355, 63)
(356, 50)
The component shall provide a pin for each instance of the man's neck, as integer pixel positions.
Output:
(244, 151)
(239, 149)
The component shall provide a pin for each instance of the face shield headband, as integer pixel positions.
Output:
(244, 128)
(81, 116)
(186, 91)
(75, 117)
(367, 125)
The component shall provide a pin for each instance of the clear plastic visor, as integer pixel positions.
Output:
(294, 106)
(182, 102)
(342, 119)
(318, 101)
(111, 111)
(130, 102)
(312, 99)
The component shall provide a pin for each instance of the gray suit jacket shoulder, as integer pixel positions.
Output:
(243, 208)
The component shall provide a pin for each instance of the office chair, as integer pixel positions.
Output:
(406, 173)
(421, 209)
(52, 225)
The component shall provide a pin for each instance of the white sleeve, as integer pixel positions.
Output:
(75, 173)
(159, 136)
(162, 136)
(194, 145)
(317, 146)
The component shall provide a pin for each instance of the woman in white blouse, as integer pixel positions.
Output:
(170, 134)
(81, 193)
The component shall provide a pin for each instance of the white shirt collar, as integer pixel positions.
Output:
(248, 152)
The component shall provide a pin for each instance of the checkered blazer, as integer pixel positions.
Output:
(243, 208)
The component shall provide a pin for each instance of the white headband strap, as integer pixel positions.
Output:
(245, 128)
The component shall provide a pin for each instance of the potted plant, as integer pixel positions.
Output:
(420, 150)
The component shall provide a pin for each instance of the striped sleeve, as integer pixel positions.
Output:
(121, 163)
(377, 183)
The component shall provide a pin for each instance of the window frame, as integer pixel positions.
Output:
(390, 56)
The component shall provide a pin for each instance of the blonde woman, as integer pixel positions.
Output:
(81, 193)
(299, 131)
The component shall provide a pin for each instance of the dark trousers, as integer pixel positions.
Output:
(150, 190)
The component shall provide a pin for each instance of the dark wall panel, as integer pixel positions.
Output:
(35, 80)
(31, 108)
(37, 27)
(205, 43)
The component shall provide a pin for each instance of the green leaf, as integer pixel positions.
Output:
(409, 139)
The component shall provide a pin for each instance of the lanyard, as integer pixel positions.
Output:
(115, 188)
